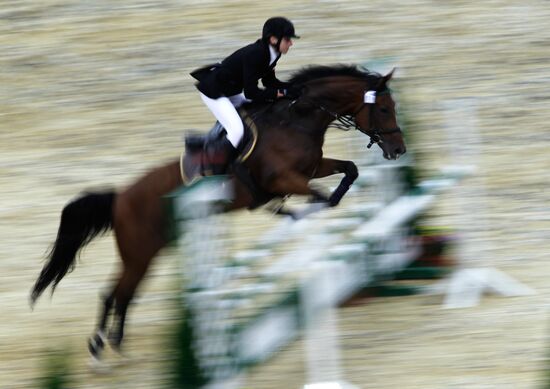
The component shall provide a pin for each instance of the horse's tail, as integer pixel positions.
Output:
(81, 221)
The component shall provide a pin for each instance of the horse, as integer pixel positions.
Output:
(287, 155)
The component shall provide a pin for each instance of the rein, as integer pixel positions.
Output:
(347, 122)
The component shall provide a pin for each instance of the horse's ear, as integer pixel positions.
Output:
(385, 79)
(388, 76)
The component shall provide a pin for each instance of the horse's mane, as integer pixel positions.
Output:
(314, 72)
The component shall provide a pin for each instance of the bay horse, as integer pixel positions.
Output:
(287, 155)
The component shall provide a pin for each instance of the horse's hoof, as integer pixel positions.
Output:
(96, 346)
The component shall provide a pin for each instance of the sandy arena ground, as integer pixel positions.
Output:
(96, 93)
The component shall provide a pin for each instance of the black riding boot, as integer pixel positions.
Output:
(219, 154)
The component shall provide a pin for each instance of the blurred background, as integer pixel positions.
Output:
(94, 94)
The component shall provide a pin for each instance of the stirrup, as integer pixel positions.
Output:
(199, 141)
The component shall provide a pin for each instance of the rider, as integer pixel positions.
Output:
(227, 85)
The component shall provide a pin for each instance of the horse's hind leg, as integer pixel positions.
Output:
(124, 293)
(137, 246)
(96, 343)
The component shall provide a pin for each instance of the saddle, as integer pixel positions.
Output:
(196, 142)
(197, 159)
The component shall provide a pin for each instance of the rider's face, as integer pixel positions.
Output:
(286, 42)
(285, 45)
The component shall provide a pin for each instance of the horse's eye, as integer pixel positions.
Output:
(384, 110)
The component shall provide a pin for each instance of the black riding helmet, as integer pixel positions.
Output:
(278, 27)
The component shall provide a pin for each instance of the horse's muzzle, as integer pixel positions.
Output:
(394, 153)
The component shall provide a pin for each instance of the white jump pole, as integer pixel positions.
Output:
(318, 299)
(466, 286)
(203, 273)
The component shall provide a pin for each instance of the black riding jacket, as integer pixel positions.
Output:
(240, 72)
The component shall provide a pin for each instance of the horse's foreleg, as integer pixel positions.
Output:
(296, 183)
(328, 167)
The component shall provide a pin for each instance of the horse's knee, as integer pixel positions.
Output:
(351, 171)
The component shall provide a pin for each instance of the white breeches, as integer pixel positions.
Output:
(225, 110)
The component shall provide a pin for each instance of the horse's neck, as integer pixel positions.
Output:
(335, 103)
(311, 121)
(299, 116)
(337, 94)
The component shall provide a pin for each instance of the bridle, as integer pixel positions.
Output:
(347, 122)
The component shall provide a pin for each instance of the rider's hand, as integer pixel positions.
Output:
(281, 93)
